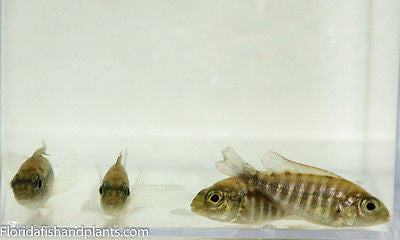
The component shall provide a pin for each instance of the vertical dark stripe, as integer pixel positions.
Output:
(273, 211)
(304, 197)
(295, 194)
(285, 190)
(315, 197)
(273, 185)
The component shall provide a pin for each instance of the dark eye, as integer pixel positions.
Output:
(38, 182)
(125, 189)
(13, 183)
(101, 190)
(370, 205)
(214, 197)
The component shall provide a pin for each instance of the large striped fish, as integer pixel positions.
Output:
(314, 194)
(230, 200)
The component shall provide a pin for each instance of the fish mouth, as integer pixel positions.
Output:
(194, 208)
(22, 196)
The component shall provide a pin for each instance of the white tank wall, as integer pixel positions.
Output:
(175, 81)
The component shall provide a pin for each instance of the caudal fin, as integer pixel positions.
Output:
(233, 165)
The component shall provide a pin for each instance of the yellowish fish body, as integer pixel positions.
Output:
(314, 194)
(114, 190)
(33, 184)
(230, 200)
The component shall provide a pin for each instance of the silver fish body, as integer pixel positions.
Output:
(314, 194)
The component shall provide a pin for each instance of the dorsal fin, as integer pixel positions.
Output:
(273, 162)
(125, 157)
(119, 159)
(41, 151)
(233, 164)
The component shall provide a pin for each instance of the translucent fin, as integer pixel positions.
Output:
(41, 151)
(10, 163)
(99, 173)
(273, 162)
(136, 185)
(119, 159)
(233, 164)
(137, 182)
(125, 157)
(66, 179)
(92, 204)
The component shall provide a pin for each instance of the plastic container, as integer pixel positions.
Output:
(174, 82)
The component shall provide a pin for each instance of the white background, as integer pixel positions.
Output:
(279, 70)
(175, 81)
(105, 75)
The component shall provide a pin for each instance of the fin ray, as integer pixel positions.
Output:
(65, 179)
(233, 164)
(274, 162)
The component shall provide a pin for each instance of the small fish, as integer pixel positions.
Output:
(33, 184)
(114, 190)
(230, 200)
(314, 194)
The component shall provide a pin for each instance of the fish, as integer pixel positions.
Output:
(114, 190)
(32, 185)
(308, 192)
(230, 200)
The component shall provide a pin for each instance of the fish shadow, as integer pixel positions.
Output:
(120, 221)
(182, 212)
(115, 222)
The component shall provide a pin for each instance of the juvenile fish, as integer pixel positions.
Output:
(308, 192)
(230, 200)
(33, 184)
(114, 190)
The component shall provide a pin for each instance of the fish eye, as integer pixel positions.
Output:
(101, 190)
(38, 182)
(13, 182)
(370, 205)
(214, 197)
(125, 189)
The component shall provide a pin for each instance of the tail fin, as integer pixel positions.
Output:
(234, 166)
